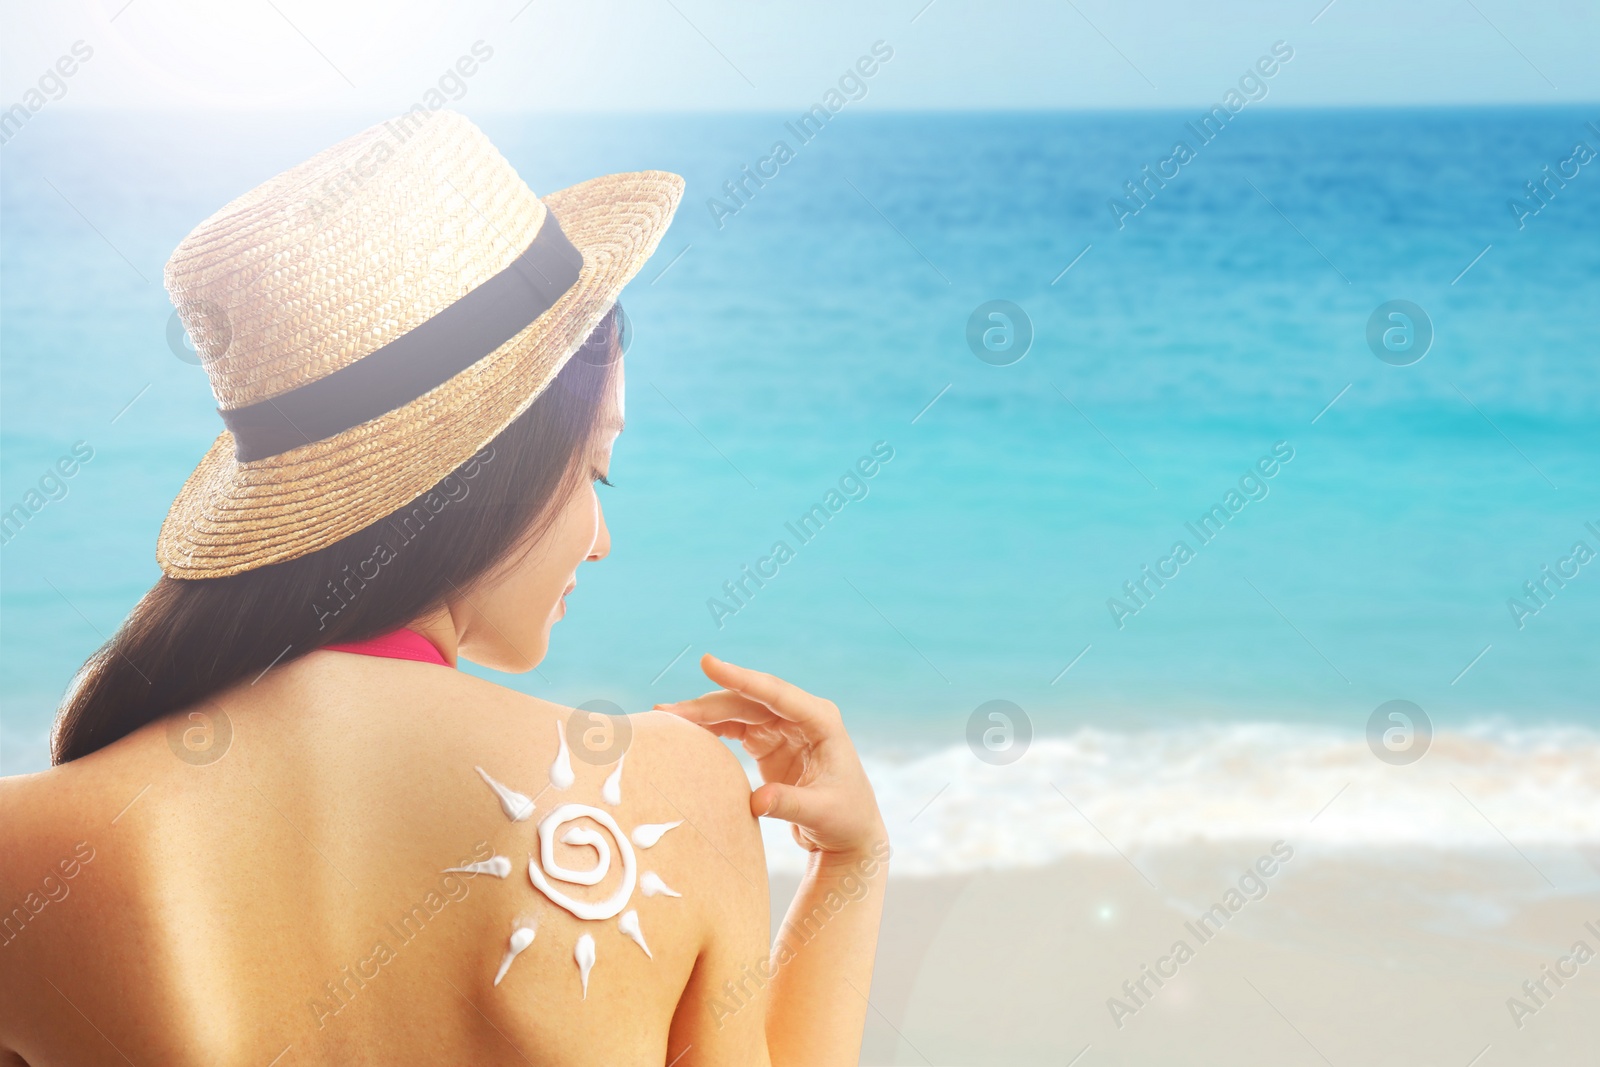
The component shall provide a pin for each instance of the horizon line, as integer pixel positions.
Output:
(1261, 106)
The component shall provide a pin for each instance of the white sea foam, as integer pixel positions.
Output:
(1093, 791)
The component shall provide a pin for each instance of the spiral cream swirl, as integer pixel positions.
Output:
(544, 869)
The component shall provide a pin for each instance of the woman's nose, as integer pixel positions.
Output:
(602, 535)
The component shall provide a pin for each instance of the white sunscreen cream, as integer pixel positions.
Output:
(611, 792)
(561, 776)
(499, 866)
(584, 954)
(520, 939)
(629, 924)
(651, 885)
(561, 825)
(542, 871)
(582, 835)
(516, 806)
(647, 834)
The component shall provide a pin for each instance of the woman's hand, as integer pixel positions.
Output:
(811, 774)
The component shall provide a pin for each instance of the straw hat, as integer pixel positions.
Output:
(374, 316)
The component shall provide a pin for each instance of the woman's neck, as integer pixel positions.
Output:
(439, 627)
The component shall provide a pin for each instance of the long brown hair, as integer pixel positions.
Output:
(189, 639)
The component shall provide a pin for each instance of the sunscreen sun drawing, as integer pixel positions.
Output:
(564, 824)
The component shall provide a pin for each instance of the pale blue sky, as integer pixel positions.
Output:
(717, 55)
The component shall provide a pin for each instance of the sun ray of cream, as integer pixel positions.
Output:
(651, 885)
(499, 866)
(647, 834)
(521, 938)
(516, 806)
(584, 954)
(561, 776)
(611, 792)
(629, 924)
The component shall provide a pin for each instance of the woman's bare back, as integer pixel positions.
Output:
(289, 899)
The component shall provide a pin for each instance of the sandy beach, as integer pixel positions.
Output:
(1394, 956)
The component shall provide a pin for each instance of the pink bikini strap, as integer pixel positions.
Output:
(403, 643)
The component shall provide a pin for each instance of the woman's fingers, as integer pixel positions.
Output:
(774, 800)
(721, 706)
(819, 819)
(813, 779)
(755, 698)
(784, 698)
(734, 731)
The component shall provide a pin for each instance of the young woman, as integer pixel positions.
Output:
(282, 829)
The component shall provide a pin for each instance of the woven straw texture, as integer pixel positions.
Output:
(327, 262)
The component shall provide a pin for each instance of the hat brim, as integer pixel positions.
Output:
(232, 517)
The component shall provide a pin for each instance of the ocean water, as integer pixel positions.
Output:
(1223, 324)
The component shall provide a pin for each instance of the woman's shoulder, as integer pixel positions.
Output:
(689, 756)
(22, 796)
(451, 726)
(662, 754)
(477, 711)
(45, 815)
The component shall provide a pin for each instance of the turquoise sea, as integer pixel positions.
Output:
(776, 345)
